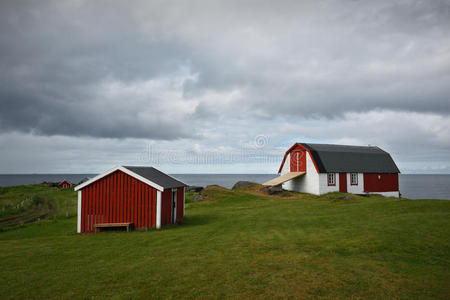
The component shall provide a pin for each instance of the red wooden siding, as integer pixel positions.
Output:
(166, 207)
(380, 182)
(298, 161)
(180, 192)
(118, 197)
(343, 182)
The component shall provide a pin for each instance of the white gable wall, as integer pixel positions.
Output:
(287, 165)
(308, 183)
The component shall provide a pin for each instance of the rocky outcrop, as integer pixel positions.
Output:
(243, 185)
(194, 189)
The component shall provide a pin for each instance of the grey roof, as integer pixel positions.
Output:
(156, 176)
(342, 158)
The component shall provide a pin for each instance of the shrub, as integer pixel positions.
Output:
(37, 200)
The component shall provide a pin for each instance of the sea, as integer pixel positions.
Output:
(412, 186)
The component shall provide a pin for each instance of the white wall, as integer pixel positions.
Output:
(355, 189)
(308, 183)
(287, 165)
(323, 184)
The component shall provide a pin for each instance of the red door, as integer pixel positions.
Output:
(343, 182)
(298, 161)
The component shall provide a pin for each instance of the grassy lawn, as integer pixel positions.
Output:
(242, 244)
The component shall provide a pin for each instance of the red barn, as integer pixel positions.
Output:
(65, 184)
(142, 196)
(322, 168)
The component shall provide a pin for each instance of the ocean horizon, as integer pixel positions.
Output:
(412, 186)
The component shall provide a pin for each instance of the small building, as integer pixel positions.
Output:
(65, 184)
(143, 196)
(321, 168)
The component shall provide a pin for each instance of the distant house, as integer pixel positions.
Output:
(142, 196)
(322, 168)
(65, 184)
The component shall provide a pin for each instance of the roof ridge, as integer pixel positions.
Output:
(161, 173)
(344, 145)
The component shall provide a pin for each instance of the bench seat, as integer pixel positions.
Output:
(127, 225)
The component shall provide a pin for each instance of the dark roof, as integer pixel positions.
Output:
(342, 158)
(156, 176)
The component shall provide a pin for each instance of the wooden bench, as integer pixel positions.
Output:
(99, 227)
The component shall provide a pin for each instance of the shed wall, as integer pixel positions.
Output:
(180, 203)
(166, 207)
(118, 198)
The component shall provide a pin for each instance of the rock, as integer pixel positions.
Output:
(194, 188)
(346, 197)
(199, 198)
(272, 190)
(214, 187)
(242, 184)
(83, 180)
(275, 189)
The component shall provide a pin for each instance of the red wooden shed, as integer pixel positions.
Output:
(143, 196)
(65, 184)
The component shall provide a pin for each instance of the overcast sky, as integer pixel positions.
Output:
(220, 86)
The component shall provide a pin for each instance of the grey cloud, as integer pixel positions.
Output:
(293, 59)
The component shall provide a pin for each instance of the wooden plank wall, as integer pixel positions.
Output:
(180, 192)
(380, 182)
(166, 207)
(116, 198)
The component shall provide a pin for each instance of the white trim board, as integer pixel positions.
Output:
(79, 213)
(158, 209)
(125, 170)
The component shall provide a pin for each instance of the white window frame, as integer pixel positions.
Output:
(331, 179)
(354, 176)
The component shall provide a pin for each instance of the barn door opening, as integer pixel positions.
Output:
(174, 206)
(298, 161)
(343, 182)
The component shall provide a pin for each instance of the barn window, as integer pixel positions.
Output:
(354, 178)
(331, 179)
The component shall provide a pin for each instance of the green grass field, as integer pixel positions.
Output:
(20, 205)
(241, 244)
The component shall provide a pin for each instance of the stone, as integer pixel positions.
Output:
(242, 184)
(199, 198)
(194, 188)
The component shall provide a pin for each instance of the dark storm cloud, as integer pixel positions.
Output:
(54, 59)
(157, 69)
